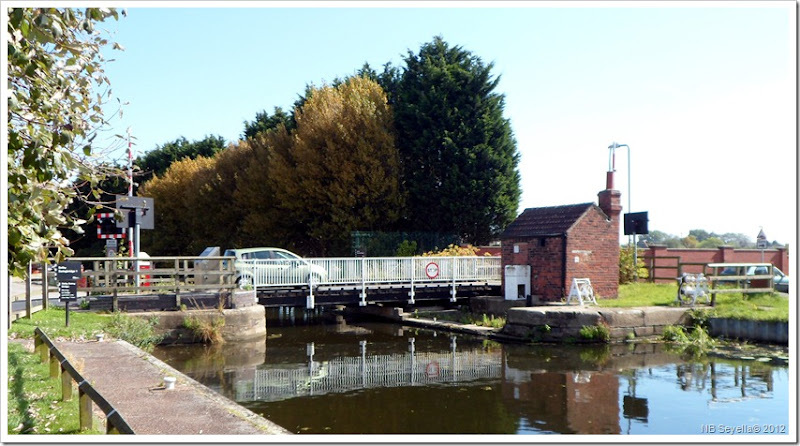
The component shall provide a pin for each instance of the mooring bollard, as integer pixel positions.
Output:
(169, 382)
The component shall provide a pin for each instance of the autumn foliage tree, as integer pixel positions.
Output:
(340, 170)
(182, 219)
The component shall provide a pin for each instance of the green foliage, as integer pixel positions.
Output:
(53, 322)
(134, 330)
(627, 273)
(406, 249)
(264, 122)
(700, 238)
(693, 343)
(459, 155)
(157, 161)
(597, 333)
(56, 92)
(206, 328)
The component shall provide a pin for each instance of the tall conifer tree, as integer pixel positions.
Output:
(458, 152)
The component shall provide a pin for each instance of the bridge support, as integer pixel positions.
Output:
(310, 298)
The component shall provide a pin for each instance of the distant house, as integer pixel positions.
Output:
(565, 242)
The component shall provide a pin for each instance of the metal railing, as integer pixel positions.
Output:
(59, 365)
(368, 270)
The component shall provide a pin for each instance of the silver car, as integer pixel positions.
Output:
(274, 267)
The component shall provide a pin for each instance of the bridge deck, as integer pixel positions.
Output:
(397, 293)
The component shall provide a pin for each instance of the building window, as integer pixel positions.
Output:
(542, 242)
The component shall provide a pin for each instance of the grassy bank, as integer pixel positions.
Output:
(761, 307)
(53, 322)
(34, 399)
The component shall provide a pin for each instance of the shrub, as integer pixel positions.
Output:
(134, 330)
(626, 269)
(599, 333)
(207, 329)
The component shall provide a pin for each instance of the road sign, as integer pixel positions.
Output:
(144, 208)
(432, 270)
(68, 273)
(107, 226)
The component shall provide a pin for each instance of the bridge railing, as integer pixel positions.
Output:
(369, 270)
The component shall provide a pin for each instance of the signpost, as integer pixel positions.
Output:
(140, 215)
(68, 273)
(761, 242)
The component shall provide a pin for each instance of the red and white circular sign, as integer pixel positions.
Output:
(432, 270)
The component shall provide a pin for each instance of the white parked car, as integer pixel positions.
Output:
(274, 266)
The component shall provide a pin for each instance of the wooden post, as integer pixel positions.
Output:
(45, 288)
(55, 366)
(66, 385)
(114, 297)
(40, 348)
(84, 409)
(713, 287)
(177, 278)
(28, 300)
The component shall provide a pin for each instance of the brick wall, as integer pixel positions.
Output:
(593, 253)
(662, 256)
(545, 256)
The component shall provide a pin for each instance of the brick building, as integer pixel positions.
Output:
(565, 242)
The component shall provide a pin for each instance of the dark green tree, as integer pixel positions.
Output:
(157, 161)
(264, 121)
(459, 156)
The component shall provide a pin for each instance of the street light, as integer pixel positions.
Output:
(613, 147)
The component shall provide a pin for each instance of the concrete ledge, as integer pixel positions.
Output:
(759, 331)
(241, 324)
(557, 323)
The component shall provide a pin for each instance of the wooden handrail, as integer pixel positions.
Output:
(86, 393)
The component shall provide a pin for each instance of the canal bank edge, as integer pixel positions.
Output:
(562, 323)
(240, 324)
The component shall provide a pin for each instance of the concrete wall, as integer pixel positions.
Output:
(241, 324)
(556, 324)
(758, 331)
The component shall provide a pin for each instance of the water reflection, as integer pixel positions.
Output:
(380, 378)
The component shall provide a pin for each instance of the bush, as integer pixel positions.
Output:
(134, 330)
(599, 333)
(207, 329)
(626, 269)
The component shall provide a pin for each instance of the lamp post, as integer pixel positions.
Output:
(613, 147)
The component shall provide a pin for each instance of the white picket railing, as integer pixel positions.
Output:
(368, 270)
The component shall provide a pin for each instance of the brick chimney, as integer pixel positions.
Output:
(609, 200)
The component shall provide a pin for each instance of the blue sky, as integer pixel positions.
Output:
(703, 93)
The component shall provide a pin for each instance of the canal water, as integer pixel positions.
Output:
(312, 375)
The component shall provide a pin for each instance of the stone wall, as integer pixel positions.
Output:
(560, 323)
(241, 324)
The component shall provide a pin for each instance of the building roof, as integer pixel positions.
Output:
(545, 221)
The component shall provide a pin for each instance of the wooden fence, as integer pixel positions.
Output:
(87, 395)
(117, 276)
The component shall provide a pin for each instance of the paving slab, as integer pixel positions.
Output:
(133, 382)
